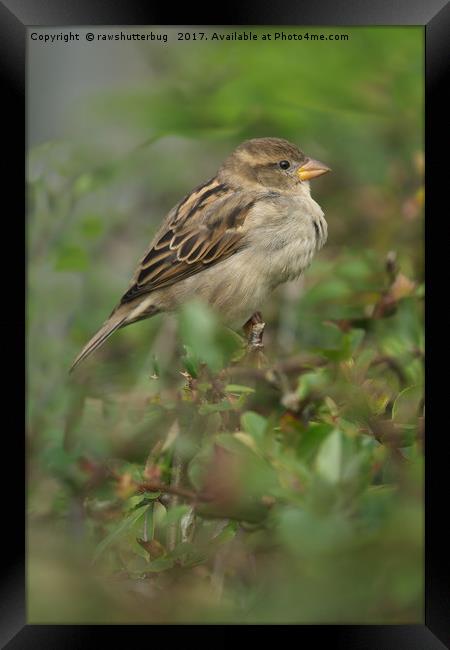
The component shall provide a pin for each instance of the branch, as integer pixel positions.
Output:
(155, 486)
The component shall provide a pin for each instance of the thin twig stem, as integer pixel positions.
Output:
(176, 490)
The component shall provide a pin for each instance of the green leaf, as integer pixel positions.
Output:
(191, 362)
(348, 344)
(226, 534)
(254, 424)
(236, 388)
(307, 533)
(217, 407)
(204, 336)
(312, 438)
(149, 497)
(309, 382)
(198, 327)
(329, 458)
(199, 464)
(137, 502)
(176, 513)
(117, 532)
(406, 406)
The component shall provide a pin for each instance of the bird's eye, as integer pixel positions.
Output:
(284, 164)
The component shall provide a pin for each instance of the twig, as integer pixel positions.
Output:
(157, 486)
(176, 490)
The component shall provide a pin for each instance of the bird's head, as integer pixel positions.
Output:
(273, 163)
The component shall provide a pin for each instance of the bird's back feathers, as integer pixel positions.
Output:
(196, 235)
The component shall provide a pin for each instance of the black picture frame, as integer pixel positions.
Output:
(15, 17)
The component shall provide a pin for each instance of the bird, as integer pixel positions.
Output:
(230, 241)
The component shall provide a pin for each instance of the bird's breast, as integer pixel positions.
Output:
(290, 238)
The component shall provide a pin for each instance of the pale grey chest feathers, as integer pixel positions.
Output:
(295, 244)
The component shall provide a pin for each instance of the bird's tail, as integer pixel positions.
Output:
(111, 325)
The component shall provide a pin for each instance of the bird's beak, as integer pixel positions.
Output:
(312, 168)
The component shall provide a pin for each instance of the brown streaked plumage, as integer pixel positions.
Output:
(231, 240)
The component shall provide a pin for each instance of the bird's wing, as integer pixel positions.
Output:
(205, 228)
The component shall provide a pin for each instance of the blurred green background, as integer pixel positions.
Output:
(323, 512)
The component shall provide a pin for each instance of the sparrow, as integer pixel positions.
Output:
(230, 241)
